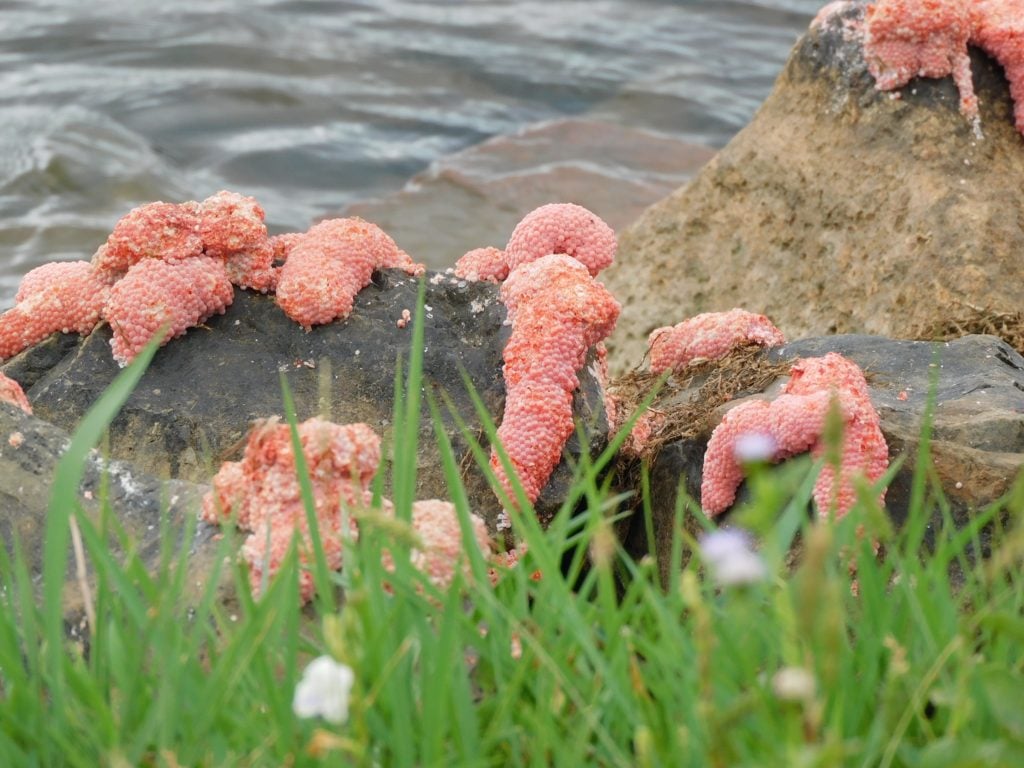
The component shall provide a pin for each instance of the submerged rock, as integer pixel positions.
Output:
(838, 209)
(193, 407)
(977, 429)
(475, 198)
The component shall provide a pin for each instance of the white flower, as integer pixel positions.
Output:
(793, 684)
(730, 557)
(323, 690)
(751, 447)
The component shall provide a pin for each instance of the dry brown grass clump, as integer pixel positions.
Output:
(968, 319)
(685, 403)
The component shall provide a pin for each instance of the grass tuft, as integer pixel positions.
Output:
(918, 663)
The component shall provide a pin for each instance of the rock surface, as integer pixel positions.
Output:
(977, 444)
(837, 209)
(195, 404)
(30, 449)
(476, 197)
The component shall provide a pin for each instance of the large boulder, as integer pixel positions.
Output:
(195, 404)
(977, 431)
(838, 209)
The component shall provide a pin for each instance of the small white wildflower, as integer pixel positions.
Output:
(731, 559)
(751, 447)
(793, 684)
(323, 690)
(503, 523)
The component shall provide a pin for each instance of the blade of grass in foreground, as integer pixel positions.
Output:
(406, 417)
(63, 502)
(321, 573)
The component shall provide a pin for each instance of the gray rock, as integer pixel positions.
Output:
(193, 407)
(30, 449)
(838, 209)
(977, 443)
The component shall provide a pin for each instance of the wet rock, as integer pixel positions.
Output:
(476, 197)
(193, 407)
(144, 506)
(977, 441)
(838, 209)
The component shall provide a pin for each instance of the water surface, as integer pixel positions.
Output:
(312, 105)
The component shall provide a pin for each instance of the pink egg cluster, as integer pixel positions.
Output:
(482, 265)
(439, 554)
(176, 263)
(554, 228)
(794, 423)
(904, 39)
(326, 267)
(231, 227)
(562, 228)
(711, 335)
(62, 296)
(158, 294)
(557, 312)
(998, 29)
(262, 494)
(166, 231)
(11, 392)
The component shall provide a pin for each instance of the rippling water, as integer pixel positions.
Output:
(311, 105)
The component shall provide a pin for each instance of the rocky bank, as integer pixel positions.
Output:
(838, 209)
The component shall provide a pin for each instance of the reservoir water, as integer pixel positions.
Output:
(312, 106)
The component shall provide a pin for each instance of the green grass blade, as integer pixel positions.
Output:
(321, 573)
(64, 500)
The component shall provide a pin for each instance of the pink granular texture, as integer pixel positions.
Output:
(226, 238)
(482, 265)
(282, 245)
(11, 392)
(330, 264)
(253, 269)
(711, 335)
(231, 227)
(262, 493)
(557, 312)
(998, 29)
(60, 296)
(154, 293)
(230, 223)
(165, 231)
(441, 556)
(905, 39)
(794, 423)
(562, 228)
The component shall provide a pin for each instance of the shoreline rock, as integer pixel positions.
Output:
(977, 433)
(30, 449)
(195, 404)
(838, 209)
